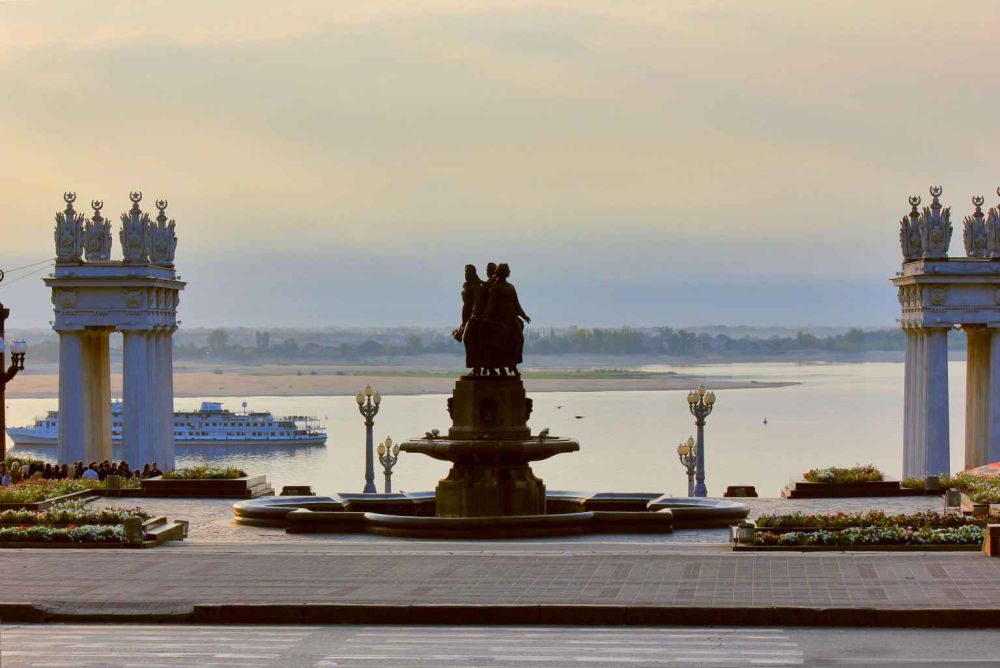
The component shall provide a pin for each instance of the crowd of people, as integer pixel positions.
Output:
(78, 470)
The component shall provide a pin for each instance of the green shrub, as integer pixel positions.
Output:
(833, 474)
(23, 461)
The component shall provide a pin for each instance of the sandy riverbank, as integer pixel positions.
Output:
(249, 382)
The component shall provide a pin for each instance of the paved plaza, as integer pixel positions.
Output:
(233, 574)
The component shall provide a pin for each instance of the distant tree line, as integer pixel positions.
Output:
(573, 340)
(261, 346)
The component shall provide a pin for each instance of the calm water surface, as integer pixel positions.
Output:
(841, 414)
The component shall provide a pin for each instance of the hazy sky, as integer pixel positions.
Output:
(336, 163)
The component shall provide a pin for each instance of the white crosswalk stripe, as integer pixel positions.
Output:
(492, 646)
(163, 646)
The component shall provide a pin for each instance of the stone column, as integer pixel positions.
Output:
(162, 396)
(167, 392)
(97, 365)
(935, 401)
(993, 439)
(136, 447)
(153, 396)
(909, 402)
(73, 399)
(977, 396)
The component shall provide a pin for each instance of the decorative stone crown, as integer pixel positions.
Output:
(69, 232)
(142, 240)
(926, 234)
(935, 227)
(97, 235)
(977, 240)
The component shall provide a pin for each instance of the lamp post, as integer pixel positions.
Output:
(388, 454)
(700, 402)
(368, 402)
(18, 349)
(687, 452)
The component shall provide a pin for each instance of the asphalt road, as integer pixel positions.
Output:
(153, 646)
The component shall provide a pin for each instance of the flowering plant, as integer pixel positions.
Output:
(68, 534)
(833, 474)
(203, 472)
(895, 535)
(874, 518)
(71, 513)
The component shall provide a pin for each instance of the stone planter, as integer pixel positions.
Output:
(743, 534)
(154, 532)
(248, 487)
(830, 490)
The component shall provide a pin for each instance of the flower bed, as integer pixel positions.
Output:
(71, 513)
(871, 519)
(835, 475)
(890, 535)
(205, 473)
(68, 534)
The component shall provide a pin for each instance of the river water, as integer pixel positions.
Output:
(839, 414)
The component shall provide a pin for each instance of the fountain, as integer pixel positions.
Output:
(490, 491)
(490, 448)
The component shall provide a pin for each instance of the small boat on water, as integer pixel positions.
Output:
(210, 425)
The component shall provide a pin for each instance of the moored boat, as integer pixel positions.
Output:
(210, 425)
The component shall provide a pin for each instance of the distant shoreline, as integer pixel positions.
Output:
(289, 381)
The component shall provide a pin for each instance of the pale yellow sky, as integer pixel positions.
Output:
(774, 137)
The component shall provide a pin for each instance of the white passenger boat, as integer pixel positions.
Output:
(210, 425)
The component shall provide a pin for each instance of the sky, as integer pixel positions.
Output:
(636, 163)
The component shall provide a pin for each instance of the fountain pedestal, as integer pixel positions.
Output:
(490, 447)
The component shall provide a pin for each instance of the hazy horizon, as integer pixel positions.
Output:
(636, 164)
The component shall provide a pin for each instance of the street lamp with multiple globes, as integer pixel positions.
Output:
(18, 349)
(368, 403)
(700, 402)
(687, 452)
(388, 454)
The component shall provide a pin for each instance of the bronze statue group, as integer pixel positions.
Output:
(492, 328)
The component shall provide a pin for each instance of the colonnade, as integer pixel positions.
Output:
(926, 415)
(85, 396)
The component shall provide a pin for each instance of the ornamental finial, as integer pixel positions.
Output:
(69, 198)
(96, 205)
(936, 193)
(977, 201)
(136, 197)
(914, 202)
(161, 204)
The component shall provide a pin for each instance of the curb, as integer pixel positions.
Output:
(518, 615)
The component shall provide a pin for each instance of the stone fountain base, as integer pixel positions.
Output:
(490, 448)
(412, 515)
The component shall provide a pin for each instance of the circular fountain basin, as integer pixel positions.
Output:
(411, 515)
